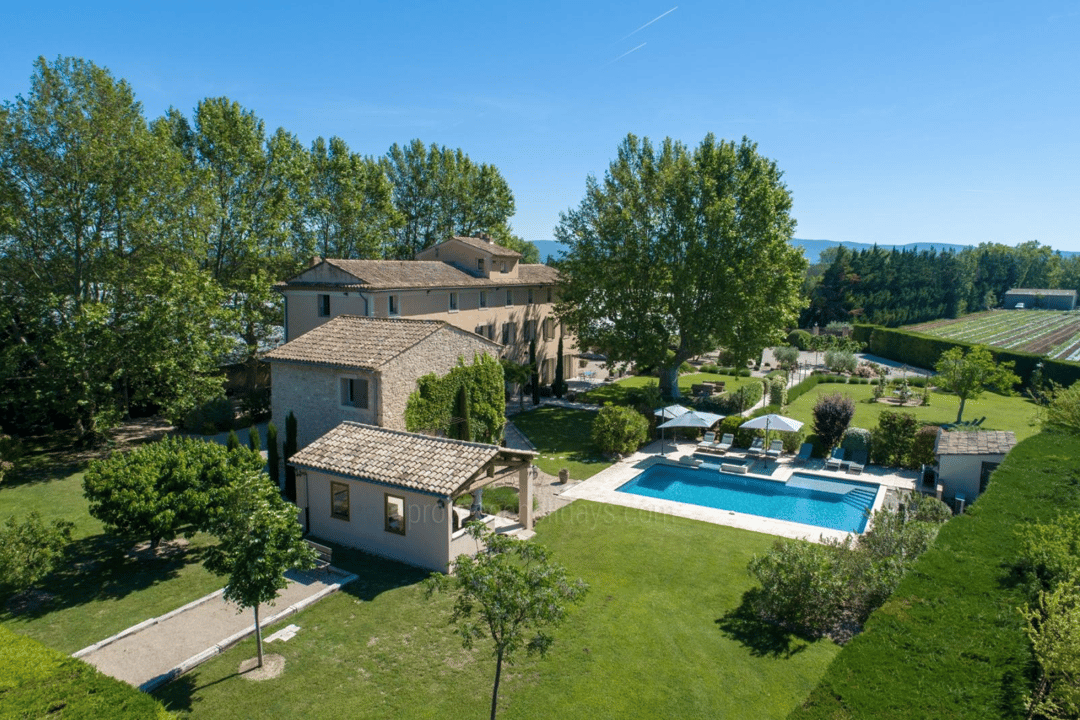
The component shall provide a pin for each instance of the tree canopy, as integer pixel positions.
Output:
(677, 252)
(969, 374)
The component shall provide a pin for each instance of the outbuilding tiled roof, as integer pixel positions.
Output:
(418, 462)
(979, 442)
(359, 342)
(1044, 293)
(406, 274)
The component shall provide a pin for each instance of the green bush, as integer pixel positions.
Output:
(1063, 412)
(712, 368)
(800, 339)
(893, 438)
(922, 447)
(743, 438)
(618, 429)
(841, 361)
(800, 389)
(856, 439)
(214, 416)
(778, 389)
(737, 401)
(1049, 553)
(30, 549)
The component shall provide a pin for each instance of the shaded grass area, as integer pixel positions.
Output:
(616, 392)
(563, 437)
(100, 588)
(950, 642)
(659, 635)
(37, 682)
(1002, 412)
(496, 500)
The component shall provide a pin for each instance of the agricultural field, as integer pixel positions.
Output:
(1052, 333)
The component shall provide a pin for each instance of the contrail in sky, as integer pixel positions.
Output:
(625, 54)
(650, 23)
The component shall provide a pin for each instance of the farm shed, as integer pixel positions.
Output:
(1039, 299)
(966, 459)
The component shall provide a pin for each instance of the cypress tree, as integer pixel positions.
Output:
(232, 442)
(288, 451)
(535, 379)
(254, 441)
(559, 387)
(464, 428)
(272, 459)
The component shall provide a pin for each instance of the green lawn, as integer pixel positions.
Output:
(659, 635)
(101, 590)
(563, 437)
(1002, 412)
(616, 391)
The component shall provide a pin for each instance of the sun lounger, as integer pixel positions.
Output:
(836, 460)
(725, 442)
(804, 452)
(857, 463)
(708, 441)
(775, 448)
(757, 447)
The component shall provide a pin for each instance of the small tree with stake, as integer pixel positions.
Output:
(259, 540)
(967, 375)
(503, 592)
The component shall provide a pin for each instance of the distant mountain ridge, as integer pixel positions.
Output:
(812, 249)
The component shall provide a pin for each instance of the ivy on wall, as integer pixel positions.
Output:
(434, 406)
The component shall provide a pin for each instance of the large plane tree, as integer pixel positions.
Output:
(677, 252)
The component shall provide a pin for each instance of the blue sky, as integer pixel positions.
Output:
(893, 123)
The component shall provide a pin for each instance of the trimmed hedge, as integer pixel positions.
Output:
(37, 682)
(949, 642)
(923, 351)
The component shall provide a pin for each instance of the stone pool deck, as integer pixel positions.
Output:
(602, 487)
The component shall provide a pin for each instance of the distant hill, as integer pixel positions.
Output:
(811, 248)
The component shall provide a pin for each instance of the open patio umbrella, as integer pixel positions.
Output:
(691, 418)
(671, 411)
(774, 422)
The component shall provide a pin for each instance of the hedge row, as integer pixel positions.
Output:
(950, 642)
(923, 351)
(37, 682)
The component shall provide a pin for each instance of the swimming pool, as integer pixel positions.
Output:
(837, 504)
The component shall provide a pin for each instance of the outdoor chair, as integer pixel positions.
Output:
(804, 452)
(775, 448)
(836, 460)
(709, 440)
(757, 447)
(725, 442)
(857, 463)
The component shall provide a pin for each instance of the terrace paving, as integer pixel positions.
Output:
(603, 487)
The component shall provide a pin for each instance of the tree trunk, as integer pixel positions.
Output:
(258, 635)
(669, 382)
(960, 412)
(495, 690)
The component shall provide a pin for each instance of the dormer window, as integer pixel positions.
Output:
(480, 264)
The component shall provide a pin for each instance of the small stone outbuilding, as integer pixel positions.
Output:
(363, 369)
(391, 493)
(966, 459)
(1039, 299)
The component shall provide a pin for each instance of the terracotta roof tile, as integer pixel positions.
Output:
(1045, 293)
(481, 244)
(418, 462)
(358, 342)
(404, 274)
(978, 442)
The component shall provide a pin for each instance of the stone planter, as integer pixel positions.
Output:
(564, 476)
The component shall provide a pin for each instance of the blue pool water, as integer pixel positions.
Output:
(837, 504)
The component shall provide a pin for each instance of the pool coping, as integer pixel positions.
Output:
(603, 487)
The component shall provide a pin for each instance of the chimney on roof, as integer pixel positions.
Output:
(484, 236)
(315, 260)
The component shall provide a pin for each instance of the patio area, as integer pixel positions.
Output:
(603, 487)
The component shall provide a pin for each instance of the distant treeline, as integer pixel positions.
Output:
(896, 287)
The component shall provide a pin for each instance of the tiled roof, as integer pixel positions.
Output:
(409, 460)
(357, 342)
(978, 442)
(490, 247)
(403, 274)
(1045, 293)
